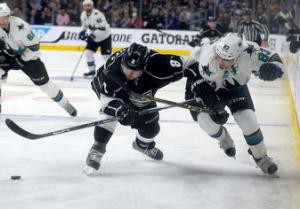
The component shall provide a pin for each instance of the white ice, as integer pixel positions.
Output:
(194, 174)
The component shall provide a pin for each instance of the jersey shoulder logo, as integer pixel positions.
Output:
(233, 70)
(249, 49)
(21, 26)
(206, 69)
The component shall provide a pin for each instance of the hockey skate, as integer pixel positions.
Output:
(151, 152)
(90, 74)
(70, 109)
(93, 162)
(227, 145)
(266, 164)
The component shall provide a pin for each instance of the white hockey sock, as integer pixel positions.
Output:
(90, 60)
(256, 144)
(54, 93)
(208, 125)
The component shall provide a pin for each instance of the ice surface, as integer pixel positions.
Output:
(194, 174)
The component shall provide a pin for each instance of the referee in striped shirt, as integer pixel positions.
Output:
(252, 29)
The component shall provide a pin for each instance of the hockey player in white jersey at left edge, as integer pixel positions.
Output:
(20, 46)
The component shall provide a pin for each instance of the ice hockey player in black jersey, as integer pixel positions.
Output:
(130, 72)
(212, 30)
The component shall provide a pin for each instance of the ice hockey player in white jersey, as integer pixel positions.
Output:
(96, 32)
(225, 67)
(22, 46)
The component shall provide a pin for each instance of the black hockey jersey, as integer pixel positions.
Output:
(159, 72)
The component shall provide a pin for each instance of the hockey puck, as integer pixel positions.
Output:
(15, 177)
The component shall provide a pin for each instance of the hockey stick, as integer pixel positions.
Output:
(22, 132)
(175, 104)
(156, 109)
(54, 41)
(76, 66)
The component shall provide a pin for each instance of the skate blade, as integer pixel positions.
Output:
(91, 172)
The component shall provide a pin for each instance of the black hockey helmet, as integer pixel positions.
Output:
(136, 57)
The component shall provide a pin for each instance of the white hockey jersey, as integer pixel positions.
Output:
(96, 24)
(249, 61)
(21, 39)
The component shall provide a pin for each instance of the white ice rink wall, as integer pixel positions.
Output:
(175, 42)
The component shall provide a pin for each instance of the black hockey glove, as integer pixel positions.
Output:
(269, 72)
(295, 43)
(195, 42)
(82, 35)
(219, 115)
(91, 37)
(204, 93)
(2, 45)
(126, 115)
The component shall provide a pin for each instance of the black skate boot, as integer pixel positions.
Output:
(70, 109)
(227, 145)
(148, 149)
(90, 74)
(93, 159)
(266, 164)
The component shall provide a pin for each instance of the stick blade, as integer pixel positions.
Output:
(20, 131)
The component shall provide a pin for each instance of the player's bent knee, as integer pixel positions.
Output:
(247, 121)
(207, 124)
(149, 131)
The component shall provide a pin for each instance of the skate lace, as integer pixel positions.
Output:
(226, 143)
(94, 155)
(151, 152)
(265, 163)
(69, 108)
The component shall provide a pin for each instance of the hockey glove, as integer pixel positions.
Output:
(126, 116)
(204, 93)
(219, 115)
(91, 37)
(2, 45)
(269, 72)
(295, 43)
(195, 42)
(82, 35)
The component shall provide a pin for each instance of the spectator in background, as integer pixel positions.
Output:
(18, 13)
(47, 16)
(184, 20)
(62, 18)
(135, 21)
(172, 22)
(35, 12)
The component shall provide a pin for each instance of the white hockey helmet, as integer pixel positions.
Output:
(85, 2)
(4, 10)
(230, 46)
